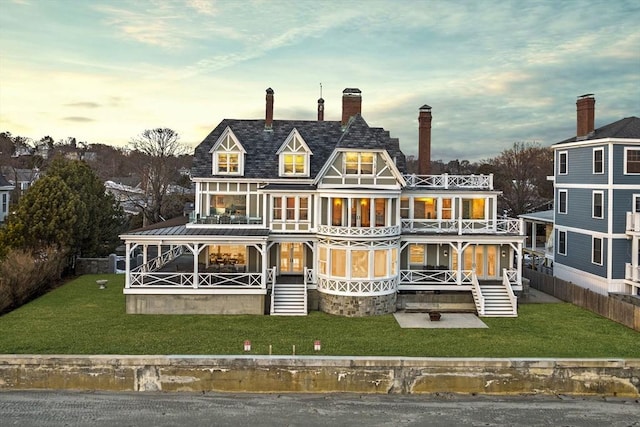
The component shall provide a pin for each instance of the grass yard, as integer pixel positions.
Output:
(79, 318)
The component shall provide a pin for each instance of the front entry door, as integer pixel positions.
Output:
(484, 259)
(291, 258)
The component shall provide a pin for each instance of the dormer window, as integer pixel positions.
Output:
(228, 155)
(359, 163)
(294, 156)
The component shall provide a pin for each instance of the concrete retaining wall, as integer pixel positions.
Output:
(309, 374)
(194, 304)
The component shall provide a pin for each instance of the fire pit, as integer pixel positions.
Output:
(434, 316)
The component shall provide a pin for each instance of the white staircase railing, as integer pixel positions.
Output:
(507, 277)
(477, 295)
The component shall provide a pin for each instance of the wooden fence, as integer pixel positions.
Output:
(612, 308)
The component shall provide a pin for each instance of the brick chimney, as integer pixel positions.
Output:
(586, 108)
(424, 140)
(268, 120)
(320, 110)
(351, 104)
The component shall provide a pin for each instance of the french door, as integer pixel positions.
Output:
(291, 258)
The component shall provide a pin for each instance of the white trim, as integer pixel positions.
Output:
(617, 141)
(193, 291)
(593, 162)
(593, 204)
(227, 141)
(625, 160)
(566, 162)
(593, 247)
(289, 148)
(566, 201)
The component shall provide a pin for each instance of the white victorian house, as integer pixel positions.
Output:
(292, 215)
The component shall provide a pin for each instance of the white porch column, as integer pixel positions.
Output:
(127, 263)
(264, 251)
(144, 254)
(196, 207)
(196, 253)
(534, 245)
(159, 250)
(349, 207)
(372, 212)
(519, 261)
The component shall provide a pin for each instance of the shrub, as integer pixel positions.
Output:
(25, 275)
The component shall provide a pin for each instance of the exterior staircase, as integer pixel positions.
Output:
(494, 299)
(289, 297)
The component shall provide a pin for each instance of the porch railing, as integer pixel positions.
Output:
(509, 278)
(464, 226)
(424, 279)
(205, 280)
(160, 261)
(633, 222)
(224, 219)
(477, 295)
(450, 181)
(351, 287)
(160, 280)
(230, 280)
(632, 273)
(334, 230)
(309, 276)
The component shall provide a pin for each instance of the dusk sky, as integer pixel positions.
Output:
(494, 71)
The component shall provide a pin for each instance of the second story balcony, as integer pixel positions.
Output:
(223, 220)
(334, 230)
(464, 226)
(446, 181)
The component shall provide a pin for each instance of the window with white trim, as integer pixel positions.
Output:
(596, 250)
(294, 156)
(359, 163)
(562, 201)
(562, 242)
(631, 161)
(290, 208)
(563, 162)
(228, 155)
(597, 200)
(598, 160)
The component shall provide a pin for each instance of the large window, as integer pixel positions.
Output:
(339, 262)
(290, 208)
(228, 205)
(473, 208)
(597, 199)
(425, 208)
(562, 201)
(563, 163)
(598, 160)
(562, 242)
(416, 254)
(631, 160)
(354, 263)
(596, 250)
(359, 163)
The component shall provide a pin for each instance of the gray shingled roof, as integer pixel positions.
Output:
(4, 182)
(322, 137)
(182, 230)
(628, 127)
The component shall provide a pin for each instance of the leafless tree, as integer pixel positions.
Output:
(159, 149)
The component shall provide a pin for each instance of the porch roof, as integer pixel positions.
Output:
(182, 230)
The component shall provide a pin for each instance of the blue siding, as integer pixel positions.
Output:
(618, 166)
(622, 203)
(580, 210)
(579, 254)
(580, 166)
(621, 253)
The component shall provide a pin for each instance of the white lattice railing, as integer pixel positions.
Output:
(352, 287)
(424, 279)
(160, 280)
(230, 280)
(450, 181)
(158, 262)
(464, 226)
(359, 231)
(309, 276)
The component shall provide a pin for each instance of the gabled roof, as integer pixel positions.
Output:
(322, 137)
(627, 128)
(4, 184)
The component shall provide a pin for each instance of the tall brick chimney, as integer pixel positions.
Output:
(320, 110)
(351, 104)
(268, 120)
(424, 140)
(586, 108)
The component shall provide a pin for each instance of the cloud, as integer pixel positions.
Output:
(83, 104)
(78, 119)
(205, 7)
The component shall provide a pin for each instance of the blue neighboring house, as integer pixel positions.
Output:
(597, 204)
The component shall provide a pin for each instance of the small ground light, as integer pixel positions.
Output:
(247, 345)
(316, 345)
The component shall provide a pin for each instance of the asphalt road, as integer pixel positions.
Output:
(62, 408)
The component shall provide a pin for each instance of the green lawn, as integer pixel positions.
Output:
(78, 318)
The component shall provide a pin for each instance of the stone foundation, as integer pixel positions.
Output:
(354, 306)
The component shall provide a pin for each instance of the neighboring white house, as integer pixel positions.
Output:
(291, 214)
(5, 197)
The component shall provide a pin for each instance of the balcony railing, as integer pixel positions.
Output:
(464, 226)
(205, 280)
(225, 220)
(433, 279)
(359, 231)
(446, 181)
(633, 222)
(357, 287)
(631, 273)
